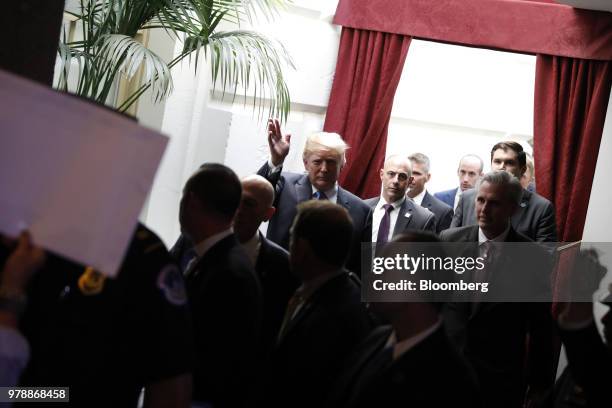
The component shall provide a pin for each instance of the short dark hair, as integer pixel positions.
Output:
(435, 249)
(515, 147)
(217, 187)
(327, 227)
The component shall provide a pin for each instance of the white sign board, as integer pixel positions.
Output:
(75, 174)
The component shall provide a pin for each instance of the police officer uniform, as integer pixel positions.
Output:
(107, 338)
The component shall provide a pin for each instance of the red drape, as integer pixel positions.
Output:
(571, 98)
(368, 71)
(534, 27)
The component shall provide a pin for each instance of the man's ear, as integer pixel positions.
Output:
(269, 213)
(382, 174)
(428, 177)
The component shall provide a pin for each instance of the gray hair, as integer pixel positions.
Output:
(421, 159)
(512, 185)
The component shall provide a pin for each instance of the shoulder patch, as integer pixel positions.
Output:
(170, 282)
(91, 282)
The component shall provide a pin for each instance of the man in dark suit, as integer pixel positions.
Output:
(323, 159)
(270, 260)
(495, 336)
(224, 292)
(535, 217)
(411, 362)
(420, 195)
(469, 170)
(587, 377)
(394, 213)
(325, 318)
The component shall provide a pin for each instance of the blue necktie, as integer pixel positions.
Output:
(319, 195)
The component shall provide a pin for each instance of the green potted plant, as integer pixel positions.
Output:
(107, 49)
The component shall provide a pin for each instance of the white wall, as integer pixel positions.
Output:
(454, 100)
(598, 226)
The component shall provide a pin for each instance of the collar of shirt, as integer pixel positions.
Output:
(308, 288)
(252, 247)
(419, 198)
(403, 346)
(482, 238)
(397, 204)
(331, 194)
(203, 246)
(378, 214)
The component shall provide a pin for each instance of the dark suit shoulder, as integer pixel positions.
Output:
(341, 286)
(372, 202)
(291, 177)
(272, 249)
(469, 193)
(515, 236)
(435, 203)
(452, 191)
(536, 198)
(352, 199)
(227, 260)
(459, 234)
(421, 211)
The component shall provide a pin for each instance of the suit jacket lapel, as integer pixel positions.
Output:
(303, 189)
(404, 217)
(341, 199)
(201, 269)
(518, 215)
(426, 201)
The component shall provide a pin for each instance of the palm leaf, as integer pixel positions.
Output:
(124, 54)
(247, 60)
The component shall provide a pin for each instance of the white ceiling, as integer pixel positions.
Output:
(604, 5)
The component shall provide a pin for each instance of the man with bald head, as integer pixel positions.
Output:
(469, 171)
(270, 260)
(394, 213)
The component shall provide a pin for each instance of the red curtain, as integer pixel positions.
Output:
(368, 71)
(534, 27)
(571, 98)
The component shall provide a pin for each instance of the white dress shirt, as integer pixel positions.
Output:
(457, 197)
(378, 214)
(204, 246)
(419, 199)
